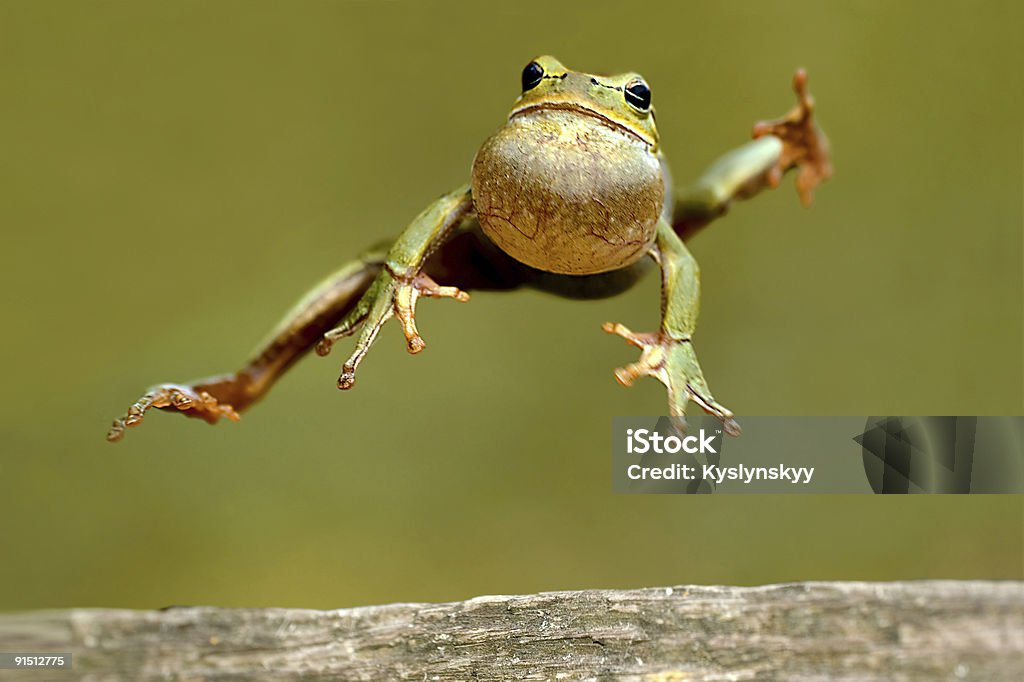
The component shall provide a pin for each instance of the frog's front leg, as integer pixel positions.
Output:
(668, 354)
(794, 141)
(400, 283)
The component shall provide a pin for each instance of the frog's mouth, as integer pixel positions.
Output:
(579, 109)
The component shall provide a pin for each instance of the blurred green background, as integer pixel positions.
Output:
(174, 175)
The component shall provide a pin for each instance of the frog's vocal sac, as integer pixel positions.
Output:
(571, 196)
(530, 201)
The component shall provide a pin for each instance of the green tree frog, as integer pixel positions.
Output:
(571, 196)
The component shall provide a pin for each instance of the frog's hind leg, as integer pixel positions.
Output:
(226, 395)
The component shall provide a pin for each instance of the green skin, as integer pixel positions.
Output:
(568, 197)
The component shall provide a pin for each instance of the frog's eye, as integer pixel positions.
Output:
(532, 75)
(638, 95)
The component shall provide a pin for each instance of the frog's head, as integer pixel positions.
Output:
(623, 100)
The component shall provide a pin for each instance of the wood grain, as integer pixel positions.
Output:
(806, 631)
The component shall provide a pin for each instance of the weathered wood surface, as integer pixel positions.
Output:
(807, 631)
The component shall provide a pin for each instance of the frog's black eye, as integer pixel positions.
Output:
(638, 95)
(532, 75)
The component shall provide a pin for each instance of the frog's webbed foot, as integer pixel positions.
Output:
(804, 144)
(673, 362)
(193, 401)
(389, 296)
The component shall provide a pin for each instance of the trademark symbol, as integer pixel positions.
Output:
(718, 431)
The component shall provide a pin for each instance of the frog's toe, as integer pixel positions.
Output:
(405, 305)
(345, 328)
(631, 337)
(715, 409)
(347, 378)
(184, 398)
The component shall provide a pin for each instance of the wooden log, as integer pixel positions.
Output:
(805, 631)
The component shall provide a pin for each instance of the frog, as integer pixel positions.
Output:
(572, 196)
